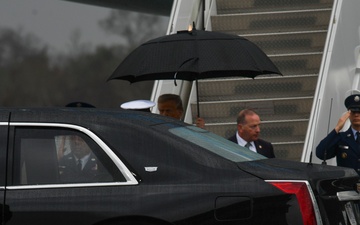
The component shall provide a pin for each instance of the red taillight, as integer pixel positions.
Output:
(303, 196)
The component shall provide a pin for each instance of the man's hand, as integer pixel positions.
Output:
(341, 122)
(200, 122)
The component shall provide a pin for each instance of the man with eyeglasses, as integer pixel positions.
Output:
(248, 131)
(345, 146)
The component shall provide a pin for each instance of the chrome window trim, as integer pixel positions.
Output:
(130, 179)
(3, 124)
(48, 186)
(312, 196)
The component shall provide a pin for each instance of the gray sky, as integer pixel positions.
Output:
(53, 21)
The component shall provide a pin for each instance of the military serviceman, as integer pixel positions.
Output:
(345, 146)
(80, 165)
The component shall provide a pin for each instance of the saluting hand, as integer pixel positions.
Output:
(341, 122)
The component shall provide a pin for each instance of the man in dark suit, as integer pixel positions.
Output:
(248, 131)
(345, 146)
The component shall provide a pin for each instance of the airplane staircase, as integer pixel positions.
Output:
(292, 33)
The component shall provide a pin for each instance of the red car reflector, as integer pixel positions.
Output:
(301, 191)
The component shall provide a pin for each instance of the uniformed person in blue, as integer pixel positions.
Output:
(345, 146)
(80, 165)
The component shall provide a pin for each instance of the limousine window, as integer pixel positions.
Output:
(60, 156)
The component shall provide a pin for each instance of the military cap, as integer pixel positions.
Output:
(141, 105)
(352, 103)
(80, 104)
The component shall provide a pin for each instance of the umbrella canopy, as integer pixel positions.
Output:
(192, 55)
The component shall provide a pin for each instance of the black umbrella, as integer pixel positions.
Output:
(193, 55)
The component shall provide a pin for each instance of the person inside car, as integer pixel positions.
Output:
(80, 165)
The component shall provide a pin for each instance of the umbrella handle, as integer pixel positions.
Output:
(175, 79)
(197, 98)
(193, 58)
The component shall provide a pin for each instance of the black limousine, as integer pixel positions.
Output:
(92, 166)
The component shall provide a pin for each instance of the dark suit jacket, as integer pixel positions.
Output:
(70, 173)
(341, 145)
(262, 147)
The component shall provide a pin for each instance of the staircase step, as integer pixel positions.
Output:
(290, 42)
(268, 109)
(275, 132)
(258, 88)
(257, 23)
(240, 6)
(297, 64)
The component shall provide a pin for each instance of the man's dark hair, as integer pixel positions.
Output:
(171, 97)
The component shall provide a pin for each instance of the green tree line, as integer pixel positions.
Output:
(31, 76)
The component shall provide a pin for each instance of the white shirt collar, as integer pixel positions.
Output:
(242, 142)
(354, 132)
(83, 160)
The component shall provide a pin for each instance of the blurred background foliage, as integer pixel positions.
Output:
(32, 76)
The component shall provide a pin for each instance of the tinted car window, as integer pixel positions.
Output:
(60, 156)
(216, 144)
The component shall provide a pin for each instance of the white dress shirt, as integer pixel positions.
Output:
(242, 142)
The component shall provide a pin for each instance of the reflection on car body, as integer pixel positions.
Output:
(141, 168)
